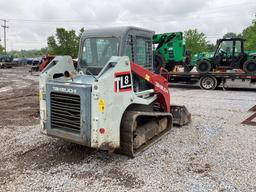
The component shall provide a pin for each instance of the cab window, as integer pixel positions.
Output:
(143, 50)
(237, 48)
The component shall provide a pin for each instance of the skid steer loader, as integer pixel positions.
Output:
(111, 101)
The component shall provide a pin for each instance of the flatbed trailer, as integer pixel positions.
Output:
(212, 80)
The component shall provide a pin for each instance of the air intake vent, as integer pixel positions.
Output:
(65, 112)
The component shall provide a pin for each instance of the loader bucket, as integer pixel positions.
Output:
(180, 114)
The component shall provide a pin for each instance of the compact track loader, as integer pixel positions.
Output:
(112, 100)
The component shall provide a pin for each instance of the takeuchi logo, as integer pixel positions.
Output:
(161, 87)
(66, 90)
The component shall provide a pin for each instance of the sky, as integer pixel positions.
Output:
(30, 22)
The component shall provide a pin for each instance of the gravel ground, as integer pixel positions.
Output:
(214, 153)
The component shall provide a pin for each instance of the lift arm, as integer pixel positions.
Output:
(160, 84)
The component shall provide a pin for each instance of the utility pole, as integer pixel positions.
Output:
(5, 27)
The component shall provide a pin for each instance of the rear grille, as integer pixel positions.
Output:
(65, 112)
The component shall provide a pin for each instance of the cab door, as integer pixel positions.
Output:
(224, 54)
(238, 53)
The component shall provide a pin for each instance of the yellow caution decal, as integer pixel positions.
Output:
(147, 77)
(40, 95)
(101, 105)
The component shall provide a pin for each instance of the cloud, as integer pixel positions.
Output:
(31, 22)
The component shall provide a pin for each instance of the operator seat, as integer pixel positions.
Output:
(218, 59)
(238, 60)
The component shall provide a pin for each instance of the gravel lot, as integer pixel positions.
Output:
(214, 153)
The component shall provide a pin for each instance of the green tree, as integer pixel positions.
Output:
(1, 49)
(249, 34)
(210, 47)
(44, 50)
(28, 53)
(64, 42)
(230, 35)
(195, 41)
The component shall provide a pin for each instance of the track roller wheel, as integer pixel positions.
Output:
(141, 129)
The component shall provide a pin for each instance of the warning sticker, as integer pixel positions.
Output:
(147, 77)
(40, 95)
(101, 105)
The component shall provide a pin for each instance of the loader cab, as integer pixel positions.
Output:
(229, 53)
(97, 46)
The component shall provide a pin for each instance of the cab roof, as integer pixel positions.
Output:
(113, 31)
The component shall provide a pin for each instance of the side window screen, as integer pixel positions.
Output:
(129, 48)
(143, 50)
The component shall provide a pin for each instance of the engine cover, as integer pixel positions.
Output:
(69, 111)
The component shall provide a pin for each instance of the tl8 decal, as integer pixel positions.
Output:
(123, 81)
